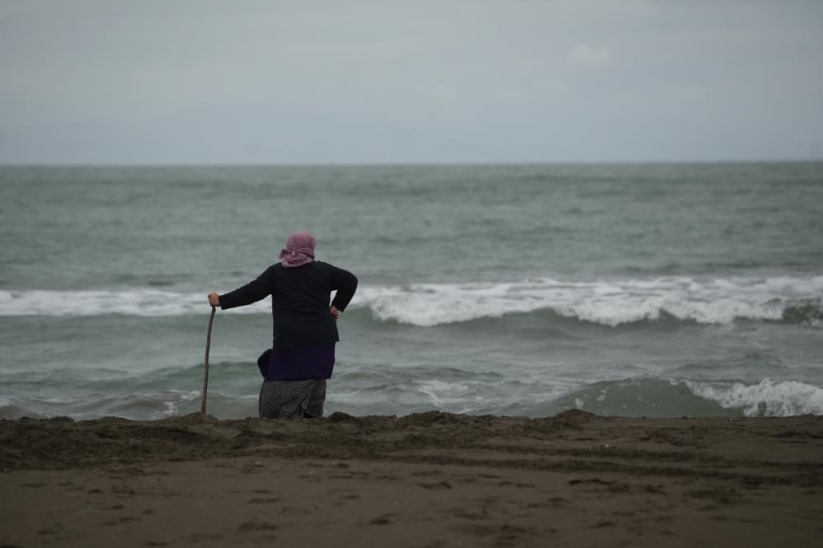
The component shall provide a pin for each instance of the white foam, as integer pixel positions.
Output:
(435, 304)
(134, 302)
(441, 393)
(607, 302)
(173, 405)
(704, 300)
(766, 398)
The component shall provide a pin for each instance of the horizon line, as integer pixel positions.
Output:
(73, 164)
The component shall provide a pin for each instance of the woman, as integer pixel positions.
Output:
(305, 332)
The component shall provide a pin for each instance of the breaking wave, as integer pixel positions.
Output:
(794, 300)
(667, 398)
(612, 303)
(766, 398)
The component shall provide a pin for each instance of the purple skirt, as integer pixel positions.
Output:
(299, 363)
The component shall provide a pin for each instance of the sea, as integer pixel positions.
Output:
(657, 290)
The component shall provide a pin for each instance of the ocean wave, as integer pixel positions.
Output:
(766, 398)
(130, 302)
(678, 397)
(391, 390)
(611, 303)
(794, 300)
(137, 406)
(148, 395)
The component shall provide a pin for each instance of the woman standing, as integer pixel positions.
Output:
(304, 328)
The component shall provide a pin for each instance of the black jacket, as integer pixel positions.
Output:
(299, 301)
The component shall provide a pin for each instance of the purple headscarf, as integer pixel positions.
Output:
(299, 250)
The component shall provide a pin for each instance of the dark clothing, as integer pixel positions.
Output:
(314, 361)
(299, 301)
(304, 334)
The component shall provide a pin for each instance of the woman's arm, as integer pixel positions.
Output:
(254, 291)
(346, 284)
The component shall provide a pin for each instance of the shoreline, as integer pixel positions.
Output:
(425, 480)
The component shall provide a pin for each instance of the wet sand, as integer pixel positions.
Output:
(428, 480)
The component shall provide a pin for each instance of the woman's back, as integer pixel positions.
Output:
(300, 301)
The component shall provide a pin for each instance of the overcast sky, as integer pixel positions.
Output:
(359, 81)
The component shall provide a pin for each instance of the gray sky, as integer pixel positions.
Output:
(359, 81)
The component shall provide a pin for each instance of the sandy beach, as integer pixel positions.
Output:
(425, 481)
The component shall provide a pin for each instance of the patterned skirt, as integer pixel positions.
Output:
(301, 399)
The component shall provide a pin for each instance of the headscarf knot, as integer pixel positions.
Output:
(299, 250)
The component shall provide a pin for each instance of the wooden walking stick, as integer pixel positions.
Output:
(206, 372)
